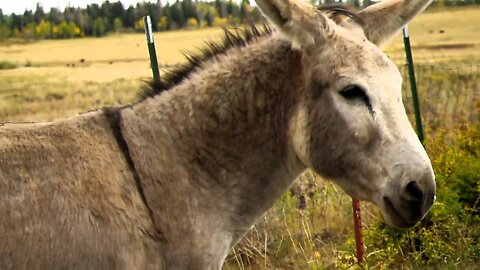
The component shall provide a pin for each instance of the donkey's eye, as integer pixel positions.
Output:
(355, 92)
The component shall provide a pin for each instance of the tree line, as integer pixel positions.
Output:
(98, 20)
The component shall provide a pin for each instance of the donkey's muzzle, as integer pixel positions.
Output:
(412, 202)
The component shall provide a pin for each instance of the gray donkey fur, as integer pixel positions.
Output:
(175, 180)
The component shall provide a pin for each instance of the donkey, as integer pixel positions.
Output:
(176, 179)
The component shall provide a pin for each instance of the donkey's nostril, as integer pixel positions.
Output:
(414, 191)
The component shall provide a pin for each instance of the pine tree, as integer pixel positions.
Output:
(209, 18)
(244, 12)
(159, 8)
(106, 13)
(177, 15)
(221, 8)
(54, 16)
(129, 17)
(99, 28)
(117, 25)
(88, 26)
(39, 14)
(117, 11)
(27, 17)
(69, 14)
(16, 22)
(166, 12)
(93, 12)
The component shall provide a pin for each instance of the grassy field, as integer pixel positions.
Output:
(58, 78)
(307, 228)
(442, 35)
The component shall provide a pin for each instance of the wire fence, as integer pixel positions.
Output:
(308, 227)
(448, 95)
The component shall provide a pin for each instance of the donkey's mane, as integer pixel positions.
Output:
(234, 38)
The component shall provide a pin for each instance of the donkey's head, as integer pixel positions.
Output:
(350, 125)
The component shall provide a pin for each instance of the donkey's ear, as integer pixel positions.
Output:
(297, 19)
(384, 19)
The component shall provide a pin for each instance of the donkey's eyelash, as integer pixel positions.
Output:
(355, 92)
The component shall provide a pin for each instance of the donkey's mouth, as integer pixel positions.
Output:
(393, 217)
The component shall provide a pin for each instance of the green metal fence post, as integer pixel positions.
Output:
(151, 48)
(413, 84)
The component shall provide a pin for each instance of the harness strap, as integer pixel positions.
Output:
(114, 118)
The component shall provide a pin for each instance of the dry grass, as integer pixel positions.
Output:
(116, 48)
(306, 229)
(83, 74)
(56, 66)
(125, 56)
(442, 35)
(39, 99)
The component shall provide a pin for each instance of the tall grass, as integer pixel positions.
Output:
(302, 230)
(37, 98)
(448, 94)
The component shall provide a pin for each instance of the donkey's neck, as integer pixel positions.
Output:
(221, 137)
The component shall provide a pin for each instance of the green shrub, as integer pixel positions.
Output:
(8, 65)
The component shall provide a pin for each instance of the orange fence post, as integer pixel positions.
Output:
(357, 221)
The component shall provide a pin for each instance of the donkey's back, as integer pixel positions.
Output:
(68, 199)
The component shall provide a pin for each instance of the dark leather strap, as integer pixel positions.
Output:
(114, 118)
